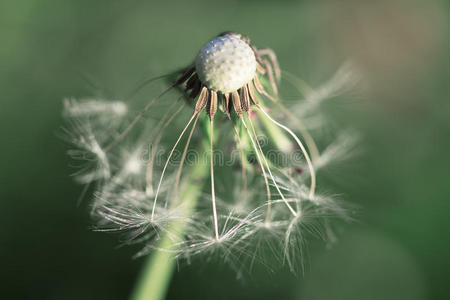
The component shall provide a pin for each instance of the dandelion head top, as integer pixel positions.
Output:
(155, 204)
(225, 64)
(226, 67)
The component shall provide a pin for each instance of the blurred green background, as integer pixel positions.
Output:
(398, 249)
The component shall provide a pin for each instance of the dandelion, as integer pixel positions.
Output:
(263, 201)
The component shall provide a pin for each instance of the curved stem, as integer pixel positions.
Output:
(300, 144)
(167, 162)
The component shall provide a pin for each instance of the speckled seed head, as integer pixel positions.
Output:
(225, 64)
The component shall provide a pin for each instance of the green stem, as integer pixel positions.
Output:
(157, 272)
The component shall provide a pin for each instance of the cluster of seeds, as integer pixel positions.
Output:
(272, 203)
(225, 64)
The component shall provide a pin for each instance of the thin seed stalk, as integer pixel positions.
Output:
(157, 272)
(280, 139)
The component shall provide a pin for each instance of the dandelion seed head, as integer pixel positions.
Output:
(226, 63)
(263, 212)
